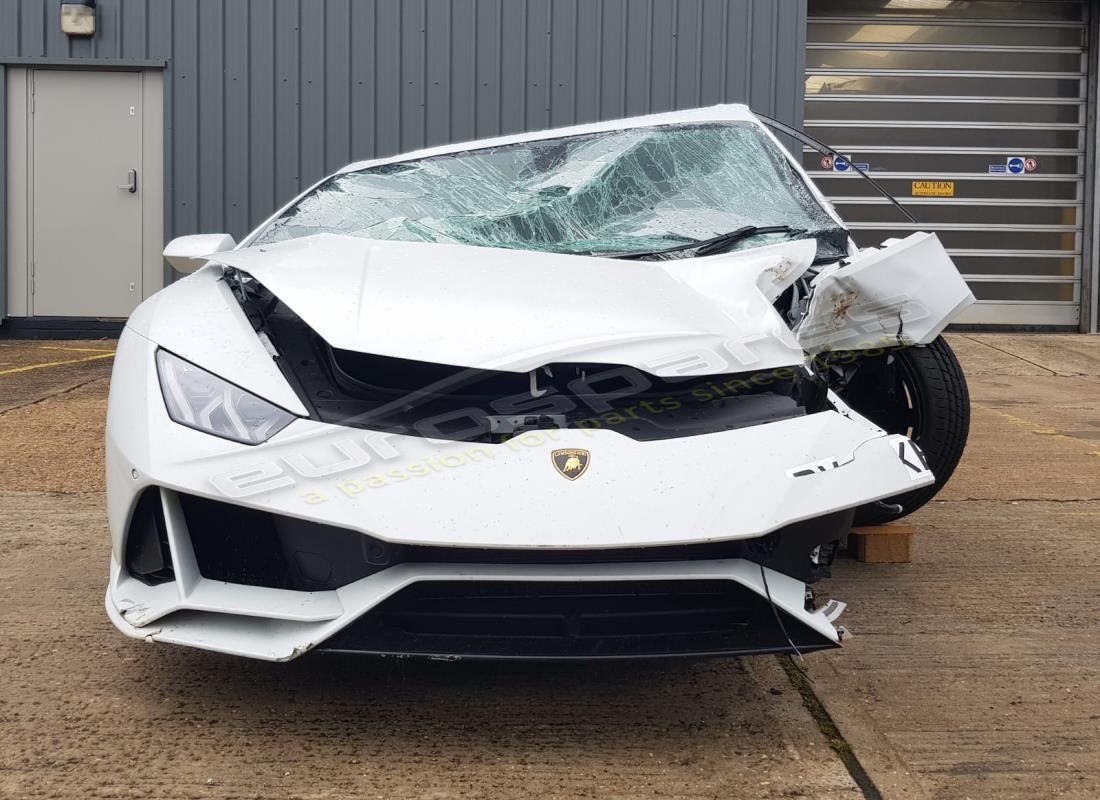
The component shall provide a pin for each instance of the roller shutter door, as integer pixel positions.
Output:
(973, 114)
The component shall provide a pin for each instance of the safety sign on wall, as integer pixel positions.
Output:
(843, 164)
(1015, 165)
(933, 188)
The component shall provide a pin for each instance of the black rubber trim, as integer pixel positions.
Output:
(60, 328)
(575, 621)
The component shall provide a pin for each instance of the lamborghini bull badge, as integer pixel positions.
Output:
(571, 463)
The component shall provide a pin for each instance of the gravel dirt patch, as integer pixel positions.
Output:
(56, 444)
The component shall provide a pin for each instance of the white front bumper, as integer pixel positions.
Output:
(279, 625)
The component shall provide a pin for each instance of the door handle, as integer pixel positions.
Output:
(131, 181)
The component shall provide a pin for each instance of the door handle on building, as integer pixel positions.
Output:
(131, 181)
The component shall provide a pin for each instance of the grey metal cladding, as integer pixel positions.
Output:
(3, 193)
(262, 97)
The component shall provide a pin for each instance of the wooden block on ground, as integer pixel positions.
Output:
(883, 544)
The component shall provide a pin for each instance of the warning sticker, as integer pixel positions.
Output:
(933, 188)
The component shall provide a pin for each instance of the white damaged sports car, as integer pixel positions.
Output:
(609, 391)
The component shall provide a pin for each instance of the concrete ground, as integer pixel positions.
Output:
(977, 666)
(972, 672)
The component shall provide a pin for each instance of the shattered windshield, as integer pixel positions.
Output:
(624, 191)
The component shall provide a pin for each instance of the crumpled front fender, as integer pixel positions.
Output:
(904, 293)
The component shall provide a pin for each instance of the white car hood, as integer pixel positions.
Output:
(515, 310)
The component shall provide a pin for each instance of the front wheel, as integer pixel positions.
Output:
(917, 391)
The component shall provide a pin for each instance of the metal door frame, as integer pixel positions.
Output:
(15, 78)
(1090, 272)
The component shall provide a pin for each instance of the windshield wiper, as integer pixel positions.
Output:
(716, 244)
(824, 149)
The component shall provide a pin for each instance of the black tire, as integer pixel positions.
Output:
(918, 391)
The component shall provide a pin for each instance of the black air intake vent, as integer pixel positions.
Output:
(574, 620)
(148, 556)
(257, 548)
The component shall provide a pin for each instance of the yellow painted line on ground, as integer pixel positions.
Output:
(1031, 426)
(76, 349)
(29, 367)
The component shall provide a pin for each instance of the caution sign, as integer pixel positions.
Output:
(933, 188)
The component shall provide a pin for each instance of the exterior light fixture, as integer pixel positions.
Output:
(78, 19)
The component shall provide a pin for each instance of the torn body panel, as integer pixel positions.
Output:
(904, 293)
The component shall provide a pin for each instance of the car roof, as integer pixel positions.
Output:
(730, 112)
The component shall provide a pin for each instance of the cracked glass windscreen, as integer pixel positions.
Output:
(624, 191)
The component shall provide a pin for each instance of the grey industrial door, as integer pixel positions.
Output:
(86, 211)
(972, 113)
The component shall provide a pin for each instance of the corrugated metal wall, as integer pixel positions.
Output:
(264, 97)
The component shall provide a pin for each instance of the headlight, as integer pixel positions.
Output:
(207, 403)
